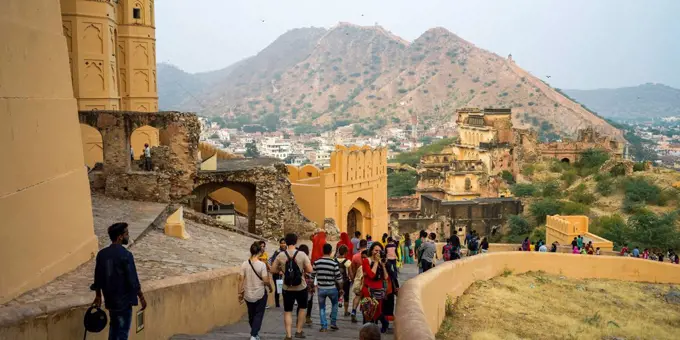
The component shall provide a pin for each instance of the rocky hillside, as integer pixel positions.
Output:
(643, 101)
(327, 78)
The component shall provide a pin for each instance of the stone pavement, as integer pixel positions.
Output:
(272, 328)
(157, 256)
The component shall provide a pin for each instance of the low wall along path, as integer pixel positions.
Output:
(422, 300)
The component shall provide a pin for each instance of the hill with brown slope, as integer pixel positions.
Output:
(365, 74)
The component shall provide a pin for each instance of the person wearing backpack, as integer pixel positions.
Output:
(253, 279)
(344, 264)
(294, 264)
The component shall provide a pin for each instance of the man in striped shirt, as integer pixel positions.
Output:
(329, 282)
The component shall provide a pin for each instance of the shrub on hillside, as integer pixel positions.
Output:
(528, 169)
(618, 170)
(592, 158)
(508, 177)
(612, 228)
(639, 166)
(640, 190)
(574, 208)
(631, 207)
(518, 225)
(569, 177)
(649, 230)
(582, 195)
(605, 187)
(557, 166)
(523, 190)
(542, 208)
(550, 189)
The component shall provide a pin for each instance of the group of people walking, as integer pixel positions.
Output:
(369, 270)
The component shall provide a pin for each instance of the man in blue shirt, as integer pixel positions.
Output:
(636, 252)
(115, 275)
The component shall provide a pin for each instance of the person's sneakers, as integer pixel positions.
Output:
(334, 328)
(323, 330)
(308, 320)
(300, 335)
(354, 318)
(347, 314)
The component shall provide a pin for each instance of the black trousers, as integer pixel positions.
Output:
(276, 292)
(256, 314)
(426, 265)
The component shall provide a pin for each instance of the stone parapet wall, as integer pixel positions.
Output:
(422, 300)
(191, 304)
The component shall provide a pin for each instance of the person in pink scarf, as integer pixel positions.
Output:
(344, 240)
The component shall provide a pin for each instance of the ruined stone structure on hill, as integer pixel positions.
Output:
(470, 168)
(181, 175)
(570, 151)
(352, 191)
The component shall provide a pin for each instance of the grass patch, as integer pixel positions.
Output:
(537, 305)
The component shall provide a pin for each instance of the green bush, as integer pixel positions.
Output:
(550, 189)
(542, 208)
(582, 195)
(602, 176)
(632, 207)
(605, 187)
(523, 190)
(640, 190)
(613, 228)
(538, 233)
(518, 225)
(592, 158)
(402, 183)
(649, 230)
(639, 166)
(574, 208)
(557, 166)
(569, 177)
(508, 177)
(618, 170)
(528, 170)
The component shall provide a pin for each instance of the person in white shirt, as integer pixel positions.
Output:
(147, 158)
(253, 280)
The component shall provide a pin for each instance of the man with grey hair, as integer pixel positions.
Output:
(369, 331)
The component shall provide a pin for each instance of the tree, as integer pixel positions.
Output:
(518, 225)
(612, 228)
(271, 121)
(649, 230)
(523, 190)
(550, 189)
(251, 151)
(542, 208)
(413, 158)
(641, 191)
(508, 177)
(401, 183)
(426, 140)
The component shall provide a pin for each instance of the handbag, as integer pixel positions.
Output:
(377, 293)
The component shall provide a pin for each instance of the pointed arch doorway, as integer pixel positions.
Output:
(359, 217)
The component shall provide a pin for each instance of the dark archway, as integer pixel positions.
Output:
(565, 160)
(354, 221)
(201, 194)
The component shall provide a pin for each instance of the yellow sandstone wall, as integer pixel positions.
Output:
(356, 179)
(44, 192)
(422, 300)
(190, 304)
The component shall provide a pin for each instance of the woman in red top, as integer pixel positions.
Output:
(344, 241)
(318, 240)
(375, 274)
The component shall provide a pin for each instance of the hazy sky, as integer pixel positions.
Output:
(581, 44)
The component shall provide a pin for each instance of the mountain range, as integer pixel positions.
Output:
(324, 78)
(638, 102)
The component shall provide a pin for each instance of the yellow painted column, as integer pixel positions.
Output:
(45, 207)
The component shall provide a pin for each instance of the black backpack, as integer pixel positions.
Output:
(343, 270)
(472, 245)
(292, 276)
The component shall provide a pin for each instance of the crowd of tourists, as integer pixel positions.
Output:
(648, 254)
(299, 275)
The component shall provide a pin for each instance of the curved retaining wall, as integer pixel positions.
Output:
(422, 300)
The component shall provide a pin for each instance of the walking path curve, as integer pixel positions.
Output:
(272, 327)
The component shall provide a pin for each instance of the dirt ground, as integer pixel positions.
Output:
(541, 306)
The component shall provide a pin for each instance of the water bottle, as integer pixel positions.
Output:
(340, 302)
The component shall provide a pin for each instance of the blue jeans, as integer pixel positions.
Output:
(119, 324)
(323, 294)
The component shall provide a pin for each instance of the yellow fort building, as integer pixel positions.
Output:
(44, 191)
(352, 191)
(112, 54)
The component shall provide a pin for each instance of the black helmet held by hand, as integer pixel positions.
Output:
(95, 319)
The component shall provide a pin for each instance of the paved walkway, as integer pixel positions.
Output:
(272, 328)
